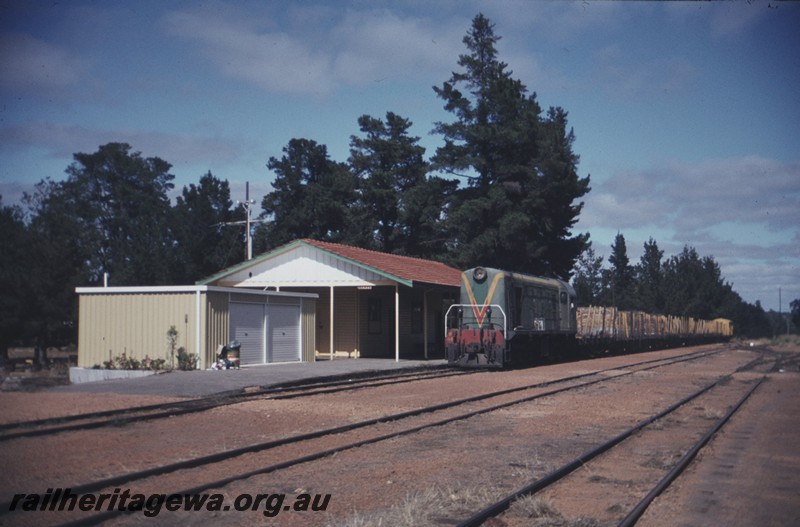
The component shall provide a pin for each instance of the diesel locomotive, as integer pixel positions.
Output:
(503, 314)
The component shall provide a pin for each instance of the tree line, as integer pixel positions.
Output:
(503, 190)
(685, 284)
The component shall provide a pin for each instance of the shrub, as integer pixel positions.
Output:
(186, 361)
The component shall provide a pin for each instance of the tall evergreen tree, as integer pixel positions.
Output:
(204, 244)
(693, 285)
(621, 275)
(649, 279)
(120, 199)
(313, 197)
(560, 188)
(422, 218)
(588, 278)
(16, 294)
(63, 258)
(389, 164)
(111, 215)
(516, 210)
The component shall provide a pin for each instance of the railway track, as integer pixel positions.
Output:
(125, 416)
(304, 448)
(625, 443)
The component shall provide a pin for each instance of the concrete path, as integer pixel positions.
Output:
(208, 382)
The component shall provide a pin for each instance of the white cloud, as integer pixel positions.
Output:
(379, 44)
(31, 66)
(556, 21)
(694, 197)
(62, 140)
(733, 18)
(271, 59)
(743, 211)
(320, 55)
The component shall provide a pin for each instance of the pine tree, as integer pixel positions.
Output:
(204, 244)
(587, 279)
(649, 279)
(516, 210)
(389, 164)
(621, 275)
(313, 197)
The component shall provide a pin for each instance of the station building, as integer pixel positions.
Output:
(304, 301)
(369, 304)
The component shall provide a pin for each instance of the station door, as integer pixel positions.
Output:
(284, 331)
(247, 325)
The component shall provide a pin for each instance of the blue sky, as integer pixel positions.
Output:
(687, 115)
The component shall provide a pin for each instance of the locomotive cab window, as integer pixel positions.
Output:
(563, 297)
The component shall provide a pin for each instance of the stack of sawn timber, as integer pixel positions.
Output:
(615, 324)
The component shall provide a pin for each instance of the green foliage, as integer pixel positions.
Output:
(120, 200)
(172, 344)
(16, 304)
(313, 196)
(204, 244)
(649, 278)
(123, 362)
(399, 207)
(153, 364)
(588, 278)
(620, 278)
(684, 285)
(518, 208)
(186, 361)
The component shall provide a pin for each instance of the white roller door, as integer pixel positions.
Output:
(247, 326)
(284, 322)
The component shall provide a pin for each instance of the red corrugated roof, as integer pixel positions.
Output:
(405, 267)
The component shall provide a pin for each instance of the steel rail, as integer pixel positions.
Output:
(501, 505)
(204, 460)
(124, 416)
(684, 462)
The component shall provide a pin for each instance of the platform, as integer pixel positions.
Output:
(209, 382)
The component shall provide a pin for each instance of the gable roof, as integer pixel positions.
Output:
(402, 269)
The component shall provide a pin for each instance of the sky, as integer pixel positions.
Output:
(686, 115)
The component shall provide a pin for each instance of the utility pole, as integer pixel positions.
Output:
(248, 242)
(788, 311)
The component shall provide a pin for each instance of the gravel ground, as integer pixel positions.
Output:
(747, 476)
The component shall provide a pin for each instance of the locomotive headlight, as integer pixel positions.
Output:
(479, 274)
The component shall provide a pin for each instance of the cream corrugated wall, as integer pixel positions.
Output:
(217, 329)
(309, 328)
(137, 325)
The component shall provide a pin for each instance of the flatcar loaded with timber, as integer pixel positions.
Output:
(504, 316)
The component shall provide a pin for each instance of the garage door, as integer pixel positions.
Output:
(284, 322)
(247, 326)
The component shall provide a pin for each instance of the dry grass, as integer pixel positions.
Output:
(535, 508)
(437, 505)
(533, 468)
(712, 413)
(540, 512)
